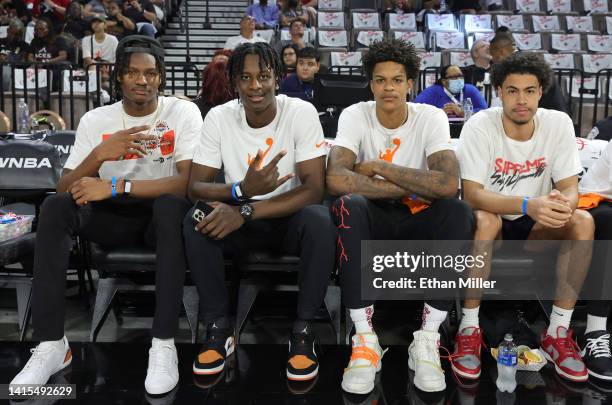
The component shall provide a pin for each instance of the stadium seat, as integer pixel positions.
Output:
(580, 24)
(363, 5)
(599, 43)
(461, 59)
(560, 60)
(560, 7)
(330, 5)
(362, 39)
(332, 38)
(567, 43)
(448, 40)
(440, 22)
(595, 7)
(345, 59)
(528, 6)
(545, 23)
(331, 19)
(415, 38)
(400, 22)
(515, 22)
(365, 20)
(528, 42)
(471, 23)
(593, 63)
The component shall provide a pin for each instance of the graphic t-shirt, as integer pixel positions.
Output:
(176, 123)
(598, 179)
(44, 51)
(101, 51)
(527, 169)
(227, 140)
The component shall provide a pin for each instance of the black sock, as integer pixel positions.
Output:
(301, 326)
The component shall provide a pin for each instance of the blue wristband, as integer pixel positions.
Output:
(525, 199)
(113, 187)
(234, 191)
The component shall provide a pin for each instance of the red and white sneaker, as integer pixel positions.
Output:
(564, 353)
(465, 360)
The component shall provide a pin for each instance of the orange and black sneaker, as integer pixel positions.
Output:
(219, 346)
(302, 364)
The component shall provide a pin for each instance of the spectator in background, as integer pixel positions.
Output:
(216, 87)
(13, 48)
(75, 27)
(142, 12)
(602, 130)
(291, 10)
(54, 10)
(117, 24)
(266, 16)
(296, 30)
(465, 6)
(289, 59)
(96, 7)
(100, 46)
(300, 84)
(502, 47)
(47, 46)
(475, 74)
(247, 29)
(398, 7)
(450, 91)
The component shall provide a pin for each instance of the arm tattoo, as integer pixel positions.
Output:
(343, 180)
(440, 181)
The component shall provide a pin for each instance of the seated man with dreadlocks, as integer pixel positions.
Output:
(272, 151)
(123, 184)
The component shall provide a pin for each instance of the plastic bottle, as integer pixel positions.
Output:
(23, 117)
(468, 108)
(442, 6)
(507, 356)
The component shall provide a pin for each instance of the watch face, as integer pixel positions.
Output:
(246, 210)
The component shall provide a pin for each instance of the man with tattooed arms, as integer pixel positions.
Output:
(397, 175)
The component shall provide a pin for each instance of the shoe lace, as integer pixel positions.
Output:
(568, 345)
(469, 344)
(160, 358)
(37, 360)
(599, 347)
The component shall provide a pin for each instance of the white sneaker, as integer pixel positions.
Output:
(47, 359)
(424, 360)
(358, 377)
(162, 373)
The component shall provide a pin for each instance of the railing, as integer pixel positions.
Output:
(70, 91)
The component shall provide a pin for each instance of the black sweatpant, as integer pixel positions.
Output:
(156, 222)
(359, 218)
(309, 233)
(602, 215)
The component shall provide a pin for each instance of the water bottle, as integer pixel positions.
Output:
(468, 109)
(507, 356)
(23, 117)
(442, 6)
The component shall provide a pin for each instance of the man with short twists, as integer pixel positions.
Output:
(520, 166)
(394, 167)
(124, 184)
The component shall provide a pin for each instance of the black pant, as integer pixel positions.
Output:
(602, 215)
(156, 223)
(308, 233)
(359, 218)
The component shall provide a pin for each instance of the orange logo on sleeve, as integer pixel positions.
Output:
(388, 155)
(250, 159)
(318, 145)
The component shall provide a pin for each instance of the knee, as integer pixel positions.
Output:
(459, 213)
(347, 205)
(487, 223)
(582, 226)
(317, 220)
(57, 206)
(170, 206)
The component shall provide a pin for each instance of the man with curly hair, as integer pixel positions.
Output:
(395, 171)
(519, 167)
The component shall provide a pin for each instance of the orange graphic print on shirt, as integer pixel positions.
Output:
(250, 159)
(388, 155)
(165, 144)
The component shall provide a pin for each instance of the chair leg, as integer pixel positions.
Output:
(191, 302)
(24, 292)
(349, 327)
(334, 309)
(107, 288)
(247, 294)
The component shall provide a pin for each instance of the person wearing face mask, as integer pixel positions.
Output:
(450, 91)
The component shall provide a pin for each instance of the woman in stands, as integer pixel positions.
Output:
(292, 9)
(289, 59)
(46, 45)
(449, 92)
(216, 88)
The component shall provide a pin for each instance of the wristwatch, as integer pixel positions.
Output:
(246, 210)
(127, 187)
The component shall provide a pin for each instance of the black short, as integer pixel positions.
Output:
(518, 229)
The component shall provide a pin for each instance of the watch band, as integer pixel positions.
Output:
(127, 187)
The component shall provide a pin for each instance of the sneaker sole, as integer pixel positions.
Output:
(214, 370)
(599, 376)
(561, 372)
(423, 388)
(463, 374)
(303, 377)
(352, 388)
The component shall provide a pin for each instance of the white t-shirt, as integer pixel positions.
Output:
(513, 168)
(424, 133)
(178, 125)
(227, 140)
(598, 179)
(233, 42)
(105, 50)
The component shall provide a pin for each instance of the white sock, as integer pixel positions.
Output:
(362, 318)
(559, 317)
(469, 317)
(156, 341)
(596, 323)
(432, 318)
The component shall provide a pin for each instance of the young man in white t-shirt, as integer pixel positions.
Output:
(520, 166)
(99, 46)
(596, 196)
(272, 152)
(124, 184)
(390, 157)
